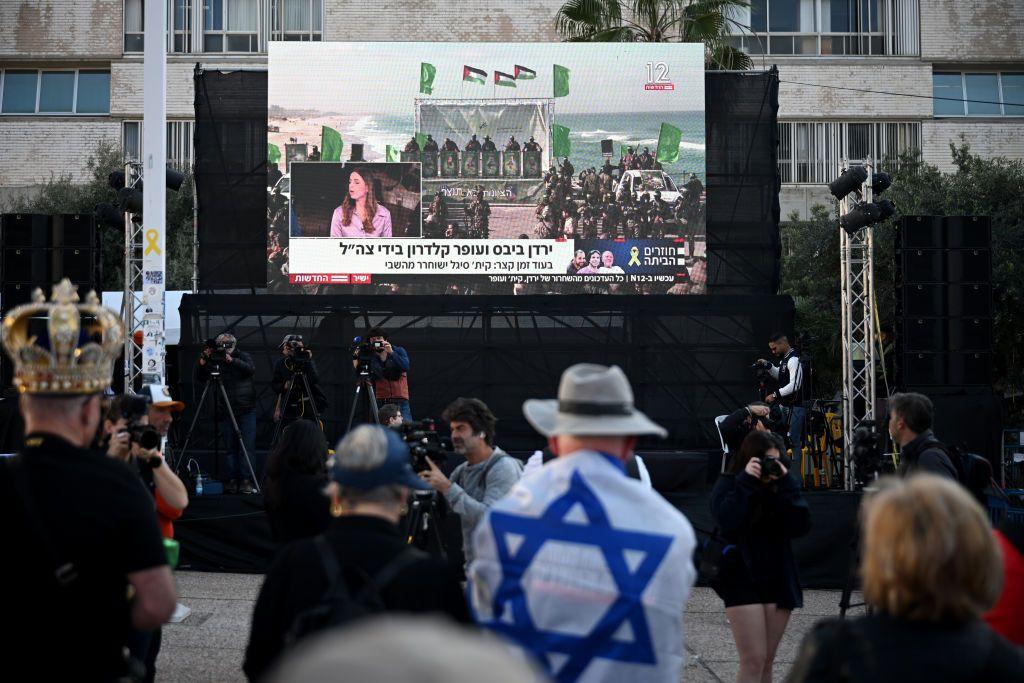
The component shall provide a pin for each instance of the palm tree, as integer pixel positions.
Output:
(657, 21)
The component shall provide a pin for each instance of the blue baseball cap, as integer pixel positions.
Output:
(395, 470)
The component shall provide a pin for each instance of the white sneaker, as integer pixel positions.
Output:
(181, 613)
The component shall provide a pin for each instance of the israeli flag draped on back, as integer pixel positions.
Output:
(588, 570)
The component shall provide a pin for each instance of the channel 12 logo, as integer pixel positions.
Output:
(657, 77)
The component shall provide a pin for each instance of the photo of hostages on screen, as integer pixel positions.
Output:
(459, 168)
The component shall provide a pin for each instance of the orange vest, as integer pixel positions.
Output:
(399, 388)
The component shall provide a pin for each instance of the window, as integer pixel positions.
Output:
(179, 143)
(230, 25)
(297, 19)
(825, 27)
(810, 151)
(978, 94)
(134, 28)
(180, 26)
(55, 91)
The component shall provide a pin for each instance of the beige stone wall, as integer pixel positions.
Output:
(987, 137)
(954, 31)
(811, 101)
(34, 148)
(55, 29)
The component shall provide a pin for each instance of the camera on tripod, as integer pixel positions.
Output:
(218, 350)
(133, 408)
(424, 442)
(868, 458)
(364, 351)
(761, 371)
(299, 352)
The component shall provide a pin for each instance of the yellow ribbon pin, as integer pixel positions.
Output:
(634, 257)
(151, 245)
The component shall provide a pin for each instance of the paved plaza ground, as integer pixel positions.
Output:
(209, 645)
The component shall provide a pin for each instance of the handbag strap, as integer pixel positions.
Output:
(64, 573)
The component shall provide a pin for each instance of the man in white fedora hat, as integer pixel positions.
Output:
(581, 566)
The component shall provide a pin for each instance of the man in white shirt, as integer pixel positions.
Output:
(789, 395)
(582, 567)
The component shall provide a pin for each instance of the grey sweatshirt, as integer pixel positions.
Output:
(476, 487)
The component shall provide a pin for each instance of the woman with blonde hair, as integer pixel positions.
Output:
(929, 569)
(359, 214)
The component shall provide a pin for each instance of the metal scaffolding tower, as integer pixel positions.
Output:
(132, 305)
(857, 291)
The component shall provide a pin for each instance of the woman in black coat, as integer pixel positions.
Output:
(758, 508)
(293, 493)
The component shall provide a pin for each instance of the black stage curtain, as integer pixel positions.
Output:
(231, 178)
(743, 182)
(687, 357)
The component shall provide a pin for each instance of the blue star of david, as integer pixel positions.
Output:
(613, 543)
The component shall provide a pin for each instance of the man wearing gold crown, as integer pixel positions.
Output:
(85, 559)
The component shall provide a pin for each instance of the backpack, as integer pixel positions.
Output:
(338, 607)
(972, 471)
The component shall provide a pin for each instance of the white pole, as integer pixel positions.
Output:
(154, 205)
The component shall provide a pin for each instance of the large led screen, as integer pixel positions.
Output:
(529, 168)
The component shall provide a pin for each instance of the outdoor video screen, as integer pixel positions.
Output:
(459, 168)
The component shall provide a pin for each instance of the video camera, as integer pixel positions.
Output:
(364, 351)
(133, 408)
(298, 348)
(868, 458)
(218, 350)
(424, 442)
(761, 371)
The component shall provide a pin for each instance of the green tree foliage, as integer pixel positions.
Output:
(976, 187)
(656, 21)
(65, 194)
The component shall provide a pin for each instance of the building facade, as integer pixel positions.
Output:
(858, 76)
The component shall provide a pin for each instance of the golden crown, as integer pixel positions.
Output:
(79, 342)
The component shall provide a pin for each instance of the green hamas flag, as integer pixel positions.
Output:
(561, 81)
(391, 153)
(668, 144)
(330, 144)
(427, 73)
(273, 153)
(560, 141)
(421, 140)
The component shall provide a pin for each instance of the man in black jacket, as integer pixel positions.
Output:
(236, 370)
(910, 426)
(372, 478)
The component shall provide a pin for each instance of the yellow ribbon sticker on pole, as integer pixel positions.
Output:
(634, 257)
(152, 247)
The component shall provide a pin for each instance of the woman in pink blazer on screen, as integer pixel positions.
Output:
(359, 214)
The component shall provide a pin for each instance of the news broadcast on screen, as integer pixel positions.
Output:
(417, 168)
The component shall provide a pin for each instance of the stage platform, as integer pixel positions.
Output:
(230, 533)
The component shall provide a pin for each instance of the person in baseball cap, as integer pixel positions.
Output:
(371, 482)
(161, 407)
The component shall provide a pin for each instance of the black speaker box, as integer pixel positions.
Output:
(26, 230)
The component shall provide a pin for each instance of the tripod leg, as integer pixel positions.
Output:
(432, 524)
(312, 401)
(355, 406)
(191, 427)
(279, 425)
(238, 435)
(372, 396)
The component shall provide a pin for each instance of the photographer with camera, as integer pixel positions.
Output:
(293, 400)
(910, 426)
(361, 565)
(388, 367)
(758, 508)
(129, 438)
(488, 473)
(736, 426)
(789, 375)
(235, 369)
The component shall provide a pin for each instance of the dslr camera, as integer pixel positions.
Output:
(761, 371)
(364, 351)
(424, 442)
(133, 409)
(770, 467)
